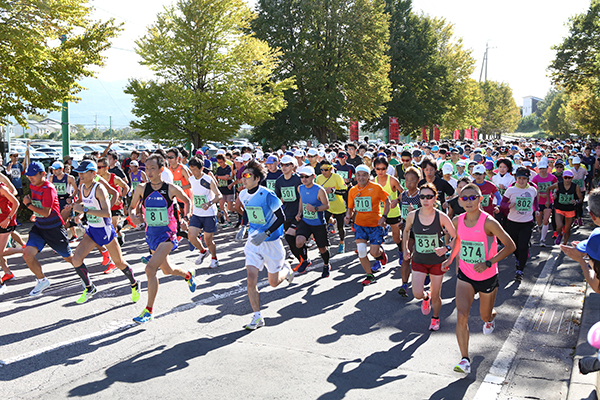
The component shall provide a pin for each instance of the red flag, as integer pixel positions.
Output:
(456, 134)
(394, 129)
(475, 134)
(436, 132)
(425, 134)
(468, 133)
(354, 131)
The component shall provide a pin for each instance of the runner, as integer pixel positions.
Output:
(428, 226)
(363, 201)
(65, 185)
(9, 205)
(206, 196)
(225, 175)
(99, 231)
(155, 200)
(48, 226)
(335, 187)
(121, 187)
(477, 267)
(311, 219)
(410, 201)
(521, 200)
(544, 180)
(579, 177)
(264, 247)
(489, 191)
(443, 188)
(566, 198)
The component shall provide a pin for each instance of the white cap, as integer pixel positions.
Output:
(306, 170)
(134, 163)
(576, 160)
(312, 152)
(279, 152)
(527, 163)
(543, 163)
(239, 159)
(447, 168)
(363, 168)
(330, 156)
(247, 157)
(369, 155)
(259, 153)
(461, 163)
(299, 153)
(220, 152)
(57, 165)
(479, 169)
(321, 153)
(288, 159)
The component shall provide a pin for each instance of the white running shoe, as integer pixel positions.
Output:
(214, 263)
(488, 327)
(41, 285)
(201, 257)
(255, 324)
(463, 366)
(3, 289)
(290, 275)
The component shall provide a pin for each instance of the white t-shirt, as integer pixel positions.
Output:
(166, 175)
(505, 180)
(201, 193)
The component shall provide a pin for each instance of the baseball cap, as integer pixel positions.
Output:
(576, 160)
(299, 153)
(543, 163)
(447, 169)
(342, 154)
(363, 168)
(568, 173)
(134, 163)
(312, 152)
(369, 155)
(306, 170)
(417, 153)
(288, 160)
(522, 172)
(220, 152)
(478, 158)
(479, 169)
(86, 165)
(247, 157)
(591, 245)
(435, 148)
(489, 165)
(238, 159)
(34, 168)
(461, 163)
(13, 152)
(57, 165)
(271, 160)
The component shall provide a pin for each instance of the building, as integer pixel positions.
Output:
(35, 128)
(530, 105)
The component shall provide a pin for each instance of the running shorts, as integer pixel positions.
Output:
(271, 254)
(372, 234)
(101, 236)
(56, 238)
(319, 232)
(207, 224)
(485, 286)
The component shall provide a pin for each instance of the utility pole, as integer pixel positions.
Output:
(484, 65)
(66, 139)
(96, 121)
(110, 128)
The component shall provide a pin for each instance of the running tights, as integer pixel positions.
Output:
(291, 241)
(84, 275)
(520, 233)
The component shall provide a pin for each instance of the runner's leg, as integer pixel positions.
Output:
(464, 299)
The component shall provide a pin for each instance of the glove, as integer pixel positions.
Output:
(259, 238)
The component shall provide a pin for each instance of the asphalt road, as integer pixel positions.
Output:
(324, 338)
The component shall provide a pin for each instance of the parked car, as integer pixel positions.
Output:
(50, 152)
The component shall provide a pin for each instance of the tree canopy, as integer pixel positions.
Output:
(212, 76)
(501, 113)
(38, 73)
(337, 51)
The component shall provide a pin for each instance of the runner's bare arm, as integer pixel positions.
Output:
(4, 179)
(410, 218)
(215, 189)
(238, 206)
(322, 196)
(455, 247)
(122, 184)
(111, 191)
(493, 228)
(179, 194)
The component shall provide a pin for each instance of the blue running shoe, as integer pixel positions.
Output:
(146, 259)
(400, 257)
(192, 247)
(302, 267)
(144, 317)
(427, 280)
(376, 267)
(191, 283)
(330, 228)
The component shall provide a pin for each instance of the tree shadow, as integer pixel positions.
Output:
(157, 362)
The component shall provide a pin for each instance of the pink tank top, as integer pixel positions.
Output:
(475, 247)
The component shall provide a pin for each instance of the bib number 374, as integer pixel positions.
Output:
(472, 252)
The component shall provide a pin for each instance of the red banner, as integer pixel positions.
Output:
(468, 133)
(354, 131)
(394, 129)
(436, 133)
(456, 134)
(475, 134)
(425, 139)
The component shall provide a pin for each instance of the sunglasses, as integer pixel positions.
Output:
(406, 160)
(381, 169)
(289, 165)
(426, 196)
(311, 156)
(246, 175)
(305, 176)
(171, 157)
(101, 166)
(567, 177)
(325, 169)
(469, 198)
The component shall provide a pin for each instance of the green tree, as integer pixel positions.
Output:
(530, 123)
(583, 110)
(501, 113)
(38, 73)
(555, 117)
(336, 49)
(212, 76)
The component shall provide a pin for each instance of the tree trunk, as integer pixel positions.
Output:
(320, 132)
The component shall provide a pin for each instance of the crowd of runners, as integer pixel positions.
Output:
(443, 203)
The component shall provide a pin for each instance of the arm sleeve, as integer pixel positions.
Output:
(278, 222)
(498, 197)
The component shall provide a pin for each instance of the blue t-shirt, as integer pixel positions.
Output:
(15, 173)
(260, 208)
(311, 196)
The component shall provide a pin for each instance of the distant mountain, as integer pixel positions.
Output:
(99, 102)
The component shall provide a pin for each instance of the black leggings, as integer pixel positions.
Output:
(339, 218)
(520, 233)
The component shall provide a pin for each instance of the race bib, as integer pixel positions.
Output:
(157, 216)
(331, 196)
(38, 204)
(222, 183)
(93, 219)
(485, 201)
(61, 188)
(15, 173)
(199, 200)
(524, 204)
(308, 214)
(472, 252)
(405, 209)
(288, 194)
(271, 184)
(363, 204)
(177, 183)
(256, 215)
(579, 182)
(343, 174)
(564, 198)
(426, 244)
(134, 184)
(543, 187)
(403, 183)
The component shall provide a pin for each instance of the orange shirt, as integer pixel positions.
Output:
(366, 203)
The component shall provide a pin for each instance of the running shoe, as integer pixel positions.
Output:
(370, 278)
(341, 248)
(299, 264)
(191, 282)
(427, 280)
(330, 228)
(3, 289)
(144, 317)
(7, 277)
(74, 238)
(201, 257)
(400, 257)
(488, 327)
(463, 366)
(426, 305)
(256, 323)
(136, 292)
(302, 267)
(146, 259)
(519, 276)
(42, 284)
(580, 221)
(435, 324)
(311, 243)
(403, 291)
(106, 258)
(128, 219)
(86, 295)
(111, 268)
(325, 273)
(214, 263)
(554, 235)
(384, 260)
(290, 275)
(376, 267)
(543, 244)
(121, 239)
(558, 239)
(240, 235)
(192, 248)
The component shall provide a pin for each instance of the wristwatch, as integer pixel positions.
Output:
(85, 209)
(448, 247)
(488, 263)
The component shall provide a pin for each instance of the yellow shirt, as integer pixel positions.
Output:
(336, 202)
